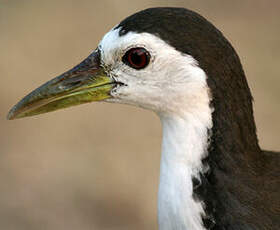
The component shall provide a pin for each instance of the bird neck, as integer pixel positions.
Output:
(184, 145)
(199, 158)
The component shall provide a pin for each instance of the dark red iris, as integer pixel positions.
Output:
(137, 58)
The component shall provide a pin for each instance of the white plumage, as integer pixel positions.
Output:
(175, 88)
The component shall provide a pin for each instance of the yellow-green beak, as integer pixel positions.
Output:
(84, 83)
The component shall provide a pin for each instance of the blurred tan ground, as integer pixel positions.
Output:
(96, 166)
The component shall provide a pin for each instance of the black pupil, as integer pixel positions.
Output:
(137, 58)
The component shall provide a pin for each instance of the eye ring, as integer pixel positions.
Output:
(137, 58)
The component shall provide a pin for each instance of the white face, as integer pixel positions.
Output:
(170, 83)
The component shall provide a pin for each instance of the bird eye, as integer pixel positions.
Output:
(137, 58)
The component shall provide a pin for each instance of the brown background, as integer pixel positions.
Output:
(96, 166)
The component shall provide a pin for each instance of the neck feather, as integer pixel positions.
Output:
(184, 146)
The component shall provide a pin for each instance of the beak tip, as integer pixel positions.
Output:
(13, 114)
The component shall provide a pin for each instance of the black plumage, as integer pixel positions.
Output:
(241, 189)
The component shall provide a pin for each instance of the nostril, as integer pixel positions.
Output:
(73, 84)
(75, 81)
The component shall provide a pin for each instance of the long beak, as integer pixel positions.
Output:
(84, 83)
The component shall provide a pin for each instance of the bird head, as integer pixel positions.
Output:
(158, 59)
(130, 67)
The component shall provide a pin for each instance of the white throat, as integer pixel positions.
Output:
(174, 86)
(184, 145)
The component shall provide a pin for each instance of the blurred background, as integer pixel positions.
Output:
(96, 166)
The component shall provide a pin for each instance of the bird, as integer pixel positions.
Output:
(174, 62)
